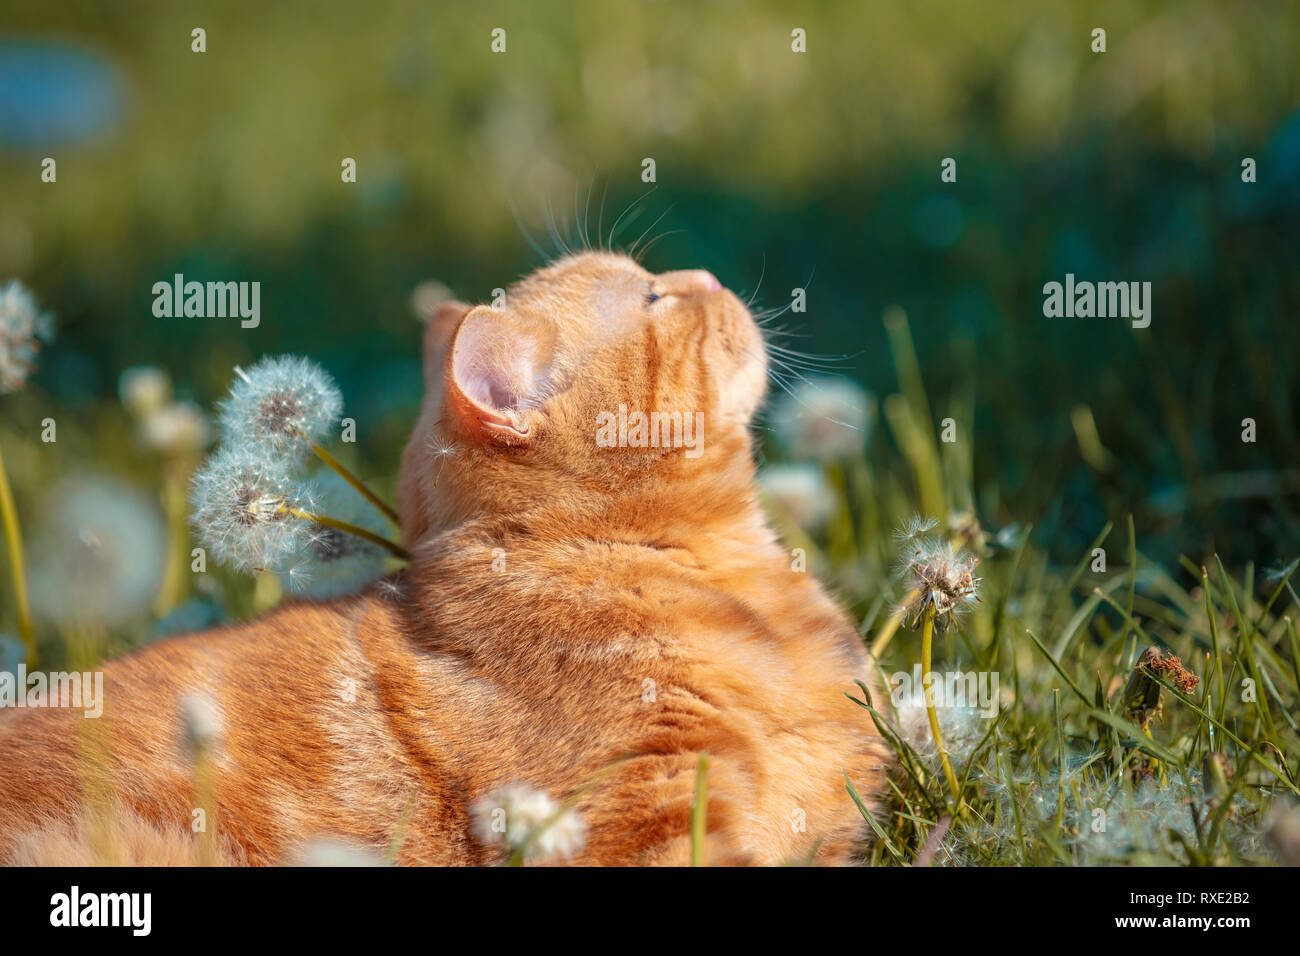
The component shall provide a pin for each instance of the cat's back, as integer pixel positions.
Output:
(290, 706)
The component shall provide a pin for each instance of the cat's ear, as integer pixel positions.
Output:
(497, 374)
(438, 333)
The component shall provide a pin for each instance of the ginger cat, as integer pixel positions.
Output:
(581, 613)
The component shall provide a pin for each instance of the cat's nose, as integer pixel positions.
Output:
(704, 279)
(693, 280)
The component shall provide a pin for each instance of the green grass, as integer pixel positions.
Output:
(1049, 780)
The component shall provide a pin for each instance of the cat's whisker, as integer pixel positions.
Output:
(632, 248)
(646, 249)
(777, 372)
(580, 215)
(586, 218)
(557, 237)
(600, 216)
(773, 313)
(613, 231)
(811, 361)
(527, 233)
(749, 302)
(577, 216)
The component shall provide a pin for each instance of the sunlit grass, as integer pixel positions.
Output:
(1064, 774)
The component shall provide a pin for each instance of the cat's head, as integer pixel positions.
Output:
(592, 383)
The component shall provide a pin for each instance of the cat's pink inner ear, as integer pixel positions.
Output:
(495, 370)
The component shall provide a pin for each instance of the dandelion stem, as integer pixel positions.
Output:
(204, 797)
(927, 635)
(698, 811)
(356, 483)
(348, 528)
(176, 570)
(891, 626)
(14, 540)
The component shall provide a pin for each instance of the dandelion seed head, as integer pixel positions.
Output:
(962, 727)
(200, 721)
(144, 389)
(824, 417)
(238, 506)
(1276, 574)
(915, 529)
(97, 553)
(800, 491)
(1136, 824)
(441, 447)
(280, 406)
(442, 450)
(23, 330)
(330, 852)
(177, 428)
(510, 815)
(939, 577)
(390, 588)
(333, 563)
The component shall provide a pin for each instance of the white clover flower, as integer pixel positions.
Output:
(518, 816)
(23, 328)
(334, 563)
(144, 389)
(800, 491)
(175, 429)
(240, 505)
(98, 555)
(824, 417)
(280, 406)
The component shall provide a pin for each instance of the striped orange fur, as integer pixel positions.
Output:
(577, 616)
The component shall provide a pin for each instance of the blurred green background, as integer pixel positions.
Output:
(1117, 166)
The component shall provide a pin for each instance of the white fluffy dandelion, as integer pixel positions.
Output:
(942, 578)
(241, 507)
(99, 553)
(334, 563)
(177, 428)
(324, 851)
(144, 389)
(200, 722)
(823, 417)
(282, 405)
(963, 727)
(800, 491)
(521, 818)
(23, 329)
